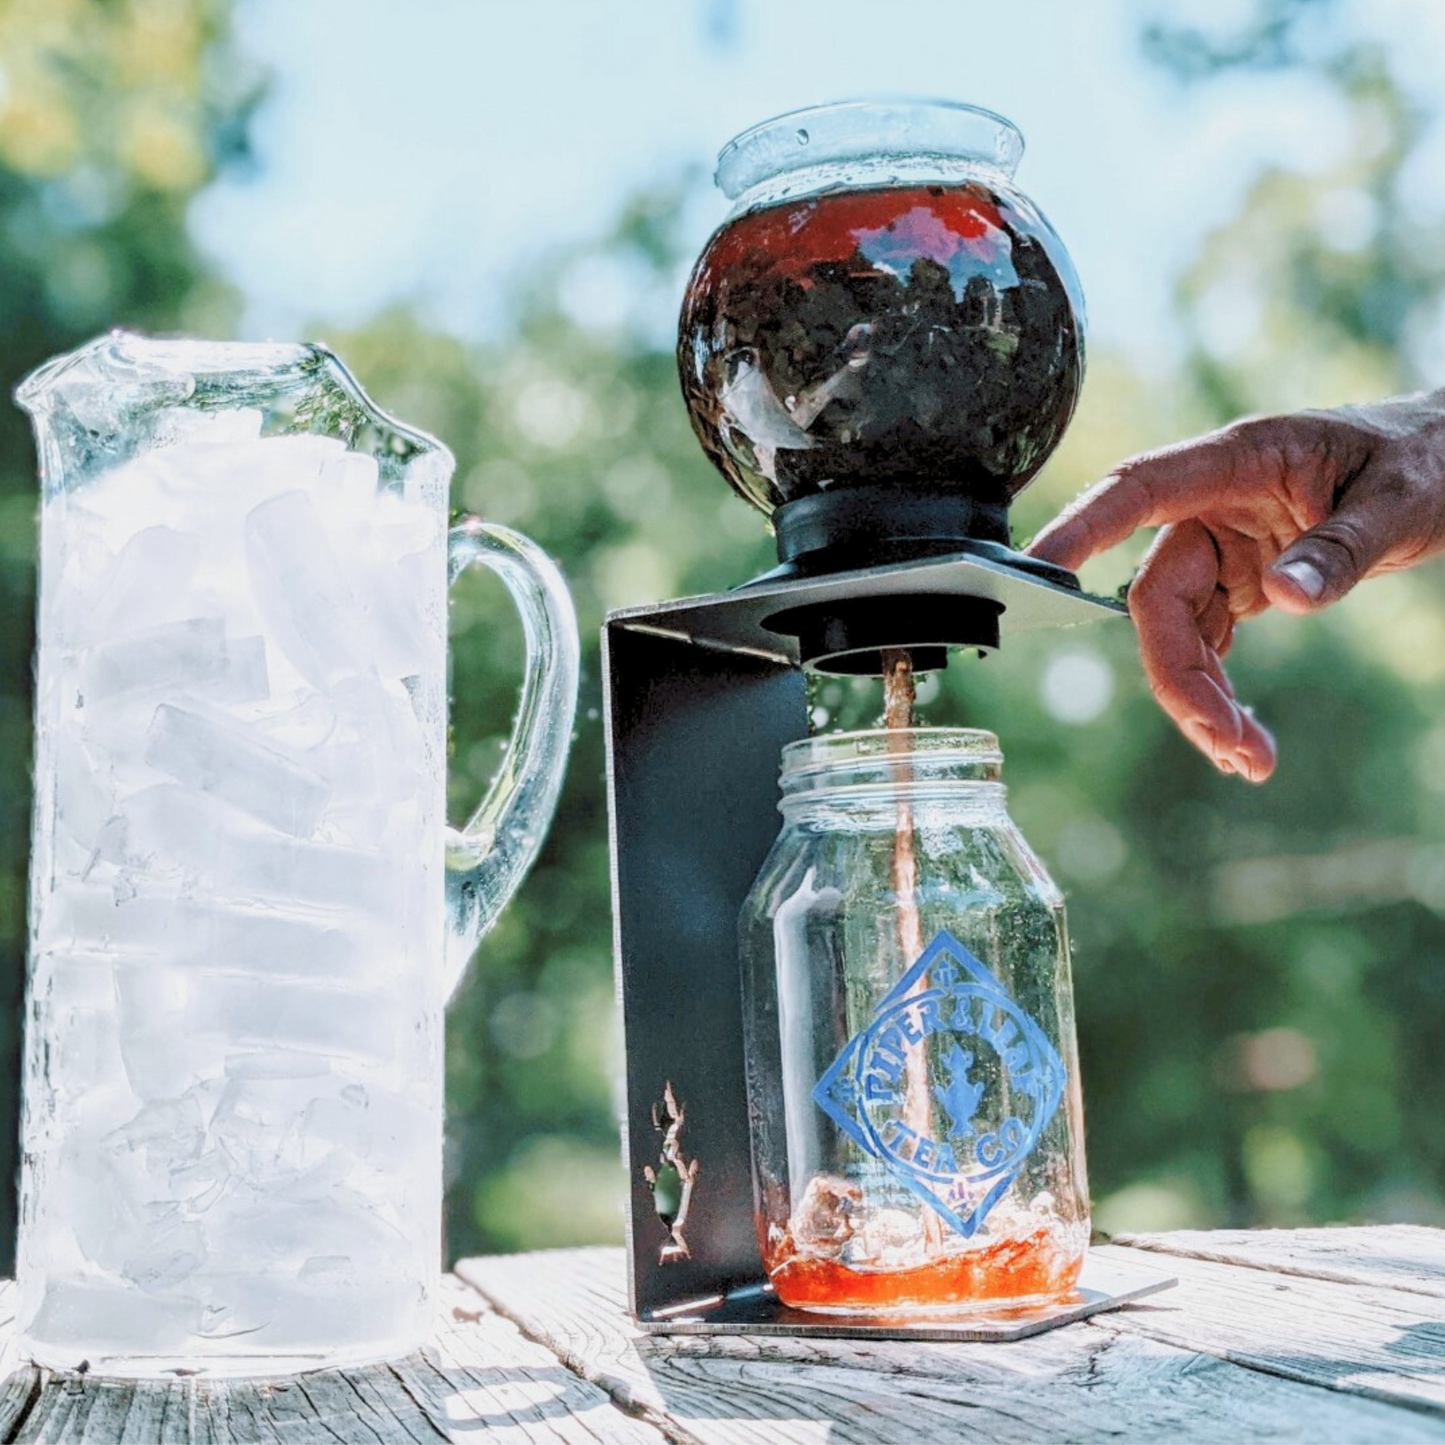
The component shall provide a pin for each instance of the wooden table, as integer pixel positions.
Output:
(1311, 1335)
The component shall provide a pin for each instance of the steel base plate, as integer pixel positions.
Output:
(1111, 1277)
(736, 621)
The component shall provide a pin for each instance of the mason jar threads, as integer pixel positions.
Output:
(912, 1073)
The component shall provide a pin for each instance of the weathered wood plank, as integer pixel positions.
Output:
(1303, 1336)
(20, 1383)
(1078, 1383)
(1400, 1256)
(480, 1374)
(1374, 1341)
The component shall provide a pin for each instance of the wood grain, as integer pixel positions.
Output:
(1076, 1384)
(1301, 1336)
(20, 1383)
(480, 1375)
(1399, 1256)
(1375, 1341)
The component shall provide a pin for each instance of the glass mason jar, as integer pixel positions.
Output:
(882, 308)
(913, 1084)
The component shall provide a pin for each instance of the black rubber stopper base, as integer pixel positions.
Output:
(848, 637)
(866, 525)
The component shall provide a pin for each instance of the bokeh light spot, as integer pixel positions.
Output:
(1090, 849)
(1077, 685)
(550, 412)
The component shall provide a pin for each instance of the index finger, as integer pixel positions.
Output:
(1169, 485)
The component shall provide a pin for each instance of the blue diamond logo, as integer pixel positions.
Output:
(991, 1084)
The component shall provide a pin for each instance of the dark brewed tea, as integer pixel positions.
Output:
(924, 335)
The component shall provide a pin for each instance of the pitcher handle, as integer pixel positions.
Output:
(488, 857)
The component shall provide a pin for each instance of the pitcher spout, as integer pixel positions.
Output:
(126, 393)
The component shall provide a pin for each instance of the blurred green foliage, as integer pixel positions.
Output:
(1260, 973)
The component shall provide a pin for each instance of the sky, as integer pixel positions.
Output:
(429, 151)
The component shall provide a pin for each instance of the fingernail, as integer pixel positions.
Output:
(1305, 575)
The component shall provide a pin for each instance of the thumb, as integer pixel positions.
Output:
(1326, 562)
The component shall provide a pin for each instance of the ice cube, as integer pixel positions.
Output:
(278, 1312)
(166, 1255)
(888, 1239)
(149, 579)
(375, 883)
(166, 1259)
(228, 480)
(244, 677)
(339, 1123)
(160, 1058)
(402, 1142)
(381, 717)
(76, 552)
(302, 589)
(92, 1114)
(401, 596)
(410, 524)
(175, 657)
(75, 915)
(276, 1064)
(116, 735)
(348, 484)
(112, 1317)
(74, 994)
(72, 981)
(354, 770)
(168, 1131)
(203, 1183)
(327, 1266)
(129, 1222)
(170, 828)
(220, 756)
(96, 1207)
(259, 1127)
(83, 797)
(79, 915)
(291, 1231)
(302, 726)
(197, 937)
(279, 1013)
(266, 943)
(148, 990)
(366, 883)
(827, 1215)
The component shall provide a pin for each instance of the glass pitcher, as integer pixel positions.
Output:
(247, 912)
(913, 1081)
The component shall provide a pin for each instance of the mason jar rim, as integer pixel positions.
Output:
(856, 130)
(830, 754)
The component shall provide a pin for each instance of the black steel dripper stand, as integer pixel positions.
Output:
(702, 694)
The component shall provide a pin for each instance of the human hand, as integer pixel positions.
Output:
(1283, 511)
